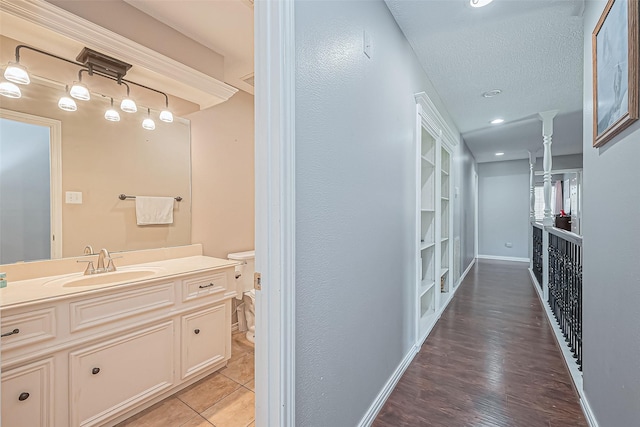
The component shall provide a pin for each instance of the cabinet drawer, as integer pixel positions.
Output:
(27, 395)
(109, 308)
(203, 339)
(116, 375)
(27, 328)
(202, 286)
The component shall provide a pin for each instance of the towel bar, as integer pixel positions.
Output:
(124, 196)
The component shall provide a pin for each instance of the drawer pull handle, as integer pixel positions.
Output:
(196, 331)
(95, 371)
(23, 396)
(8, 334)
(206, 286)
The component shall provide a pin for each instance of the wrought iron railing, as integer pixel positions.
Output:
(537, 252)
(565, 286)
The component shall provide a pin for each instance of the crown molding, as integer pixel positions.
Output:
(436, 121)
(207, 91)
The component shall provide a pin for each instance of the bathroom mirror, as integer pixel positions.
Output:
(99, 161)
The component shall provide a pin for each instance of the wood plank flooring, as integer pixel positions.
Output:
(491, 361)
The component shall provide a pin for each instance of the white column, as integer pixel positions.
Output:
(532, 198)
(547, 132)
(532, 188)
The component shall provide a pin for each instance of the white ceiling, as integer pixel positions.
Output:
(530, 49)
(224, 26)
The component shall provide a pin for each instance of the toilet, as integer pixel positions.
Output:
(244, 288)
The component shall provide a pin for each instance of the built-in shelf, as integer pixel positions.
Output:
(445, 198)
(425, 286)
(444, 172)
(428, 160)
(428, 210)
(444, 239)
(444, 271)
(426, 245)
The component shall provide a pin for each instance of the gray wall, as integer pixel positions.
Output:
(504, 208)
(25, 218)
(355, 204)
(611, 272)
(571, 161)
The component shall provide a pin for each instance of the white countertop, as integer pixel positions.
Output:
(27, 292)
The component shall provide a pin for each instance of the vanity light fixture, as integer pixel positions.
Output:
(148, 123)
(10, 90)
(67, 103)
(497, 121)
(17, 73)
(93, 63)
(479, 3)
(111, 114)
(499, 153)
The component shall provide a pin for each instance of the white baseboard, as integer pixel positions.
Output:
(378, 403)
(586, 408)
(503, 258)
(572, 366)
(464, 274)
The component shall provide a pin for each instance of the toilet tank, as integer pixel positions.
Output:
(244, 283)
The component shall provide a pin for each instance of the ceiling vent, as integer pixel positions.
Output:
(249, 79)
(101, 63)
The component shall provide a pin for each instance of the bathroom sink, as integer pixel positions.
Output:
(103, 278)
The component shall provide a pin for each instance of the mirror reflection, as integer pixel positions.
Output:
(61, 173)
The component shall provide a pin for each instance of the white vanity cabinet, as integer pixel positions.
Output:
(96, 357)
(27, 395)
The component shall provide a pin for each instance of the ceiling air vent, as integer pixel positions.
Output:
(249, 79)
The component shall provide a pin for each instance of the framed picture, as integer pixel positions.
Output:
(615, 70)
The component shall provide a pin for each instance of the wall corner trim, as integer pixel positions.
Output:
(206, 90)
(435, 121)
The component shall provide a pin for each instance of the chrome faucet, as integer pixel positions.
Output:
(104, 254)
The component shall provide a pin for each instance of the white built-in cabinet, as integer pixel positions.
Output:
(94, 359)
(434, 255)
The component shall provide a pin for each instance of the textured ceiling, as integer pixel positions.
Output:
(224, 26)
(530, 49)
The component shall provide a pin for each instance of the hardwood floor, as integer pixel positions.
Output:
(491, 360)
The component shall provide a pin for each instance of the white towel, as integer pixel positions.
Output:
(154, 210)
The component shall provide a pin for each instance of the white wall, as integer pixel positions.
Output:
(355, 201)
(503, 208)
(611, 271)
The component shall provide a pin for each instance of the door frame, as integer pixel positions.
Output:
(274, 41)
(55, 160)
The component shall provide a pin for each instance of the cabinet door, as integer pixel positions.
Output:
(203, 339)
(114, 376)
(27, 395)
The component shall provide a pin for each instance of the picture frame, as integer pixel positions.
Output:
(615, 43)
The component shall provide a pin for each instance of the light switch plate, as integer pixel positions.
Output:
(73, 197)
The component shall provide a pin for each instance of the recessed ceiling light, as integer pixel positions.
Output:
(497, 121)
(500, 154)
(491, 93)
(479, 3)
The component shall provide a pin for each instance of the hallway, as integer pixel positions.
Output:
(491, 360)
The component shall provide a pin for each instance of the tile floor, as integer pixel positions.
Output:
(223, 399)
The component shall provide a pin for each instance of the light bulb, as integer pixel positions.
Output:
(67, 104)
(166, 116)
(128, 106)
(479, 3)
(148, 124)
(17, 73)
(79, 91)
(111, 114)
(10, 90)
